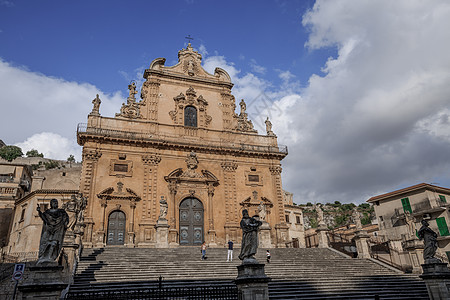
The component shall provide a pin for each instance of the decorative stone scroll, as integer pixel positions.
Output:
(131, 110)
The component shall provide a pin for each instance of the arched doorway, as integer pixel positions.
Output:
(191, 222)
(116, 228)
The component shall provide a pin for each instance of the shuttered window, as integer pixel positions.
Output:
(442, 226)
(406, 205)
(442, 197)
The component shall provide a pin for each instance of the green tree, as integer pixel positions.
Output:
(366, 219)
(313, 222)
(71, 159)
(51, 164)
(34, 153)
(340, 220)
(364, 205)
(10, 152)
(309, 204)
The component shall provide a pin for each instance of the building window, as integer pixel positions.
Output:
(120, 167)
(442, 226)
(406, 205)
(287, 219)
(22, 214)
(190, 116)
(442, 198)
(297, 219)
(253, 178)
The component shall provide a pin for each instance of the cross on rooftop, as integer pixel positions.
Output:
(189, 38)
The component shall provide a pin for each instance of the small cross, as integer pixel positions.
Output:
(189, 38)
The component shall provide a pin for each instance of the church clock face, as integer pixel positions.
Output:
(191, 222)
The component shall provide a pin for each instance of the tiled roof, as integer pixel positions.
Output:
(407, 190)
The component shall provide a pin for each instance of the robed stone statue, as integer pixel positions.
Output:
(56, 221)
(249, 228)
(429, 238)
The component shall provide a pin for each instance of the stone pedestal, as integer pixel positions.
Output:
(252, 282)
(70, 250)
(212, 238)
(173, 238)
(322, 235)
(264, 239)
(362, 246)
(414, 247)
(43, 282)
(162, 233)
(437, 278)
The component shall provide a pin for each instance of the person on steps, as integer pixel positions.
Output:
(230, 251)
(268, 256)
(203, 251)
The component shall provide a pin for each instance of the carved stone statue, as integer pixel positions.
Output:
(249, 246)
(243, 106)
(75, 210)
(262, 211)
(55, 225)
(357, 218)
(268, 126)
(410, 224)
(133, 92)
(320, 218)
(163, 206)
(429, 238)
(96, 108)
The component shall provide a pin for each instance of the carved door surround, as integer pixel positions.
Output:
(121, 199)
(189, 182)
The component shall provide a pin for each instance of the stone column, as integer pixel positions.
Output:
(101, 241)
(87, 187)
(173, 233)
(437, 278)
(231, 207)
(131, 233)
(362, 246)
(211, 231)
(281, 228)
(322, 234)
(252, 282)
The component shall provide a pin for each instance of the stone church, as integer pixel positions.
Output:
(178, 166)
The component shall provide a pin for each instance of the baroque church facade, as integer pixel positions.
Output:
(181, 154)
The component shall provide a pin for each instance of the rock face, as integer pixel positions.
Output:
(303, 273)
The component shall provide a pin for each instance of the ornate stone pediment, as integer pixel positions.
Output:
(189, 65)
(118, 193)
(254, 200)
(190, 174)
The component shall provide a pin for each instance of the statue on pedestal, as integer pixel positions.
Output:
(429, 238)
(357, 218)
(249, 228)
(55, 225)
(163, 208)
(262, 211)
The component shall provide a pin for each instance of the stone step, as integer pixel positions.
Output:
(296, 273)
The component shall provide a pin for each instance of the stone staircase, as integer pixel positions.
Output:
(296, 273)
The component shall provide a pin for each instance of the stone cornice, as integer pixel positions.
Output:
(185, 78)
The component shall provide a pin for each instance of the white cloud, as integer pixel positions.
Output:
(35, 106)
(257, 68)
(378, 118)
(52, 145)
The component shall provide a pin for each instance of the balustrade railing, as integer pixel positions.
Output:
(191, 292)
(147, 136)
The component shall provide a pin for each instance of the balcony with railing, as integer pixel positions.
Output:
(230, 141)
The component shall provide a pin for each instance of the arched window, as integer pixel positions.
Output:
(190, 116)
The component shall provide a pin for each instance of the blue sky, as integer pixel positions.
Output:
(358, 90)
